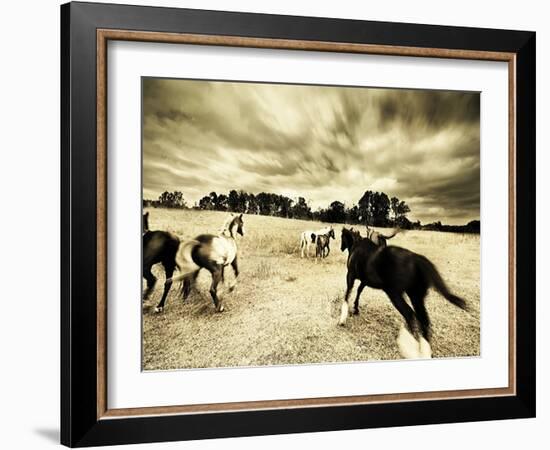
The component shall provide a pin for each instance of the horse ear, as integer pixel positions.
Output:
(241, 216)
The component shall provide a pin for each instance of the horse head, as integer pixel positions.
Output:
(331, 233)
(240, 224)
(145, 222)
(347, 239)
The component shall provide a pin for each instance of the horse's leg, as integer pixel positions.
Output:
(216, 278)
(328, 251)
(235, 266)
(405, 310)
(356, 303)
(169, 269)
(417, 297)
(151, 281)
(350, 280)
(188, 283)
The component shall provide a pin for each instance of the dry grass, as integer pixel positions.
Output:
(285, 308)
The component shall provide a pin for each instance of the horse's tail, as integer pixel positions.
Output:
(433, 277)
(184, 260)
(395, 233)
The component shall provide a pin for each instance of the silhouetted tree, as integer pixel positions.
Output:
(365, 211)
(336, 213)
(206, 203)
(264, 203)
(221, 202)
(233, 201)
(301, 210)
(285, 206)
(251, 204)
(380, 209)
(172, 199)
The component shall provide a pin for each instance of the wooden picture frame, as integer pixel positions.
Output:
(85, 416)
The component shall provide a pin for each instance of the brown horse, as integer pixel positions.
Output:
(396, 271)
(322, 248)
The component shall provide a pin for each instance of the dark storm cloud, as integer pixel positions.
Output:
(323, 143)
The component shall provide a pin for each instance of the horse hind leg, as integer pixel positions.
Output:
(216, 278)
(151, 281)
(188, 284)
(169, 269)
(417, 297)
(235, 266)
(356, 303)
(406, 311)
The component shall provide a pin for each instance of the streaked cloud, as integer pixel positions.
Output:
(322, 143)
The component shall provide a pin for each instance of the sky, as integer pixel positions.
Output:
(323, 143)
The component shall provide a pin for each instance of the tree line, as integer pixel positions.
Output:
(373, 208)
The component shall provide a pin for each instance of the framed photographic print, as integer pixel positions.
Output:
(276, 224)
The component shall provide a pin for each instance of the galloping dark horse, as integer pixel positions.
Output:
(396, 271)
(158, 247)
(211, 252)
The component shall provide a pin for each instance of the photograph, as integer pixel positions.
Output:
(299, 224)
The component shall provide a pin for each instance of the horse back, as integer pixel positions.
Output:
(365, 263)
(218, 250)
(397, 267)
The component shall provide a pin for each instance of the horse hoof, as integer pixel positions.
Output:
(355, 312)
(425, 349)
(220, 309)
(342, 323)
(159, 309)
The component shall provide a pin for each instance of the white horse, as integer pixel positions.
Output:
(309, 238)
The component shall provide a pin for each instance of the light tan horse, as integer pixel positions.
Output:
(378, 238)
(213, 253)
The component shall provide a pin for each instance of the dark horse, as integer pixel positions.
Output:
(211, 252)
(396, 271)
(322, 248)
(158, 247)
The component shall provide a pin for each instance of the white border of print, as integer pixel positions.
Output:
(128, 386)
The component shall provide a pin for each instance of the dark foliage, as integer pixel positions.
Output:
(372, 209)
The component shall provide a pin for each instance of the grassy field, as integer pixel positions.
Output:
(285, 309)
